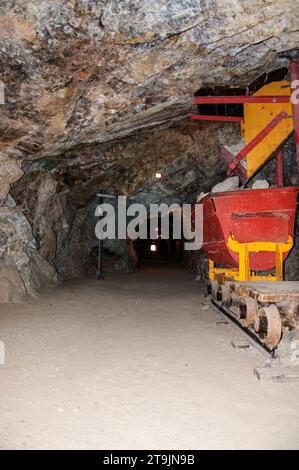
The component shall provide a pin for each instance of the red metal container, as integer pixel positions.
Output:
(250, 216)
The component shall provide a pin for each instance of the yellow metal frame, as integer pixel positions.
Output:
(243, 272)
(257, 116)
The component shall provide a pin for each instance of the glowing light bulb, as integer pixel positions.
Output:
(158, 175)
(153, 247)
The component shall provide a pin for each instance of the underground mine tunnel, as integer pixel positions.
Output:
(149, 342)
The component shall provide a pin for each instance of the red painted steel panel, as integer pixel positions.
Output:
(249, 215)
(208, 117)
(240, 99)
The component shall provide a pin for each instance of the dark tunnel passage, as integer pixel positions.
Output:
(159, 249)
(156, 246)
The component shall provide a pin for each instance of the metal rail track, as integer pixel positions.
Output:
(250, 337)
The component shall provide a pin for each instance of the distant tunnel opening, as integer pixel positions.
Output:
(159, 249)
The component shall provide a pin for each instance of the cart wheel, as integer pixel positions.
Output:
(268, 325)
(226, 298)
(247, 311)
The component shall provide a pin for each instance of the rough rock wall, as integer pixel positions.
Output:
(80, 71)
(23, 268)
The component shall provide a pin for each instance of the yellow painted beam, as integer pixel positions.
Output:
(257, 116)
(234, 245)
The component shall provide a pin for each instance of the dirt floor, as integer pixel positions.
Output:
(134, 362)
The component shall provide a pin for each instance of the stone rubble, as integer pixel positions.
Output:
(229, 184)
(260, 184)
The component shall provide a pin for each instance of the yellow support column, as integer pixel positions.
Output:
(211, 270)
(244, 269)
(279, 263)
(244, 249)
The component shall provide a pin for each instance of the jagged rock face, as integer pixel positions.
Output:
(93, 71)
(18, 249)
(96, 91)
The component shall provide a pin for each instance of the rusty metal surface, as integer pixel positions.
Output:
(268, 291)
(268, 325)
(247, 311)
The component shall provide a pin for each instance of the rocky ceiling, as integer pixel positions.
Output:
(97, 92)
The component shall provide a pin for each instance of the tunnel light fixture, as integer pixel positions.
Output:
(158, 175)
(153, 247)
